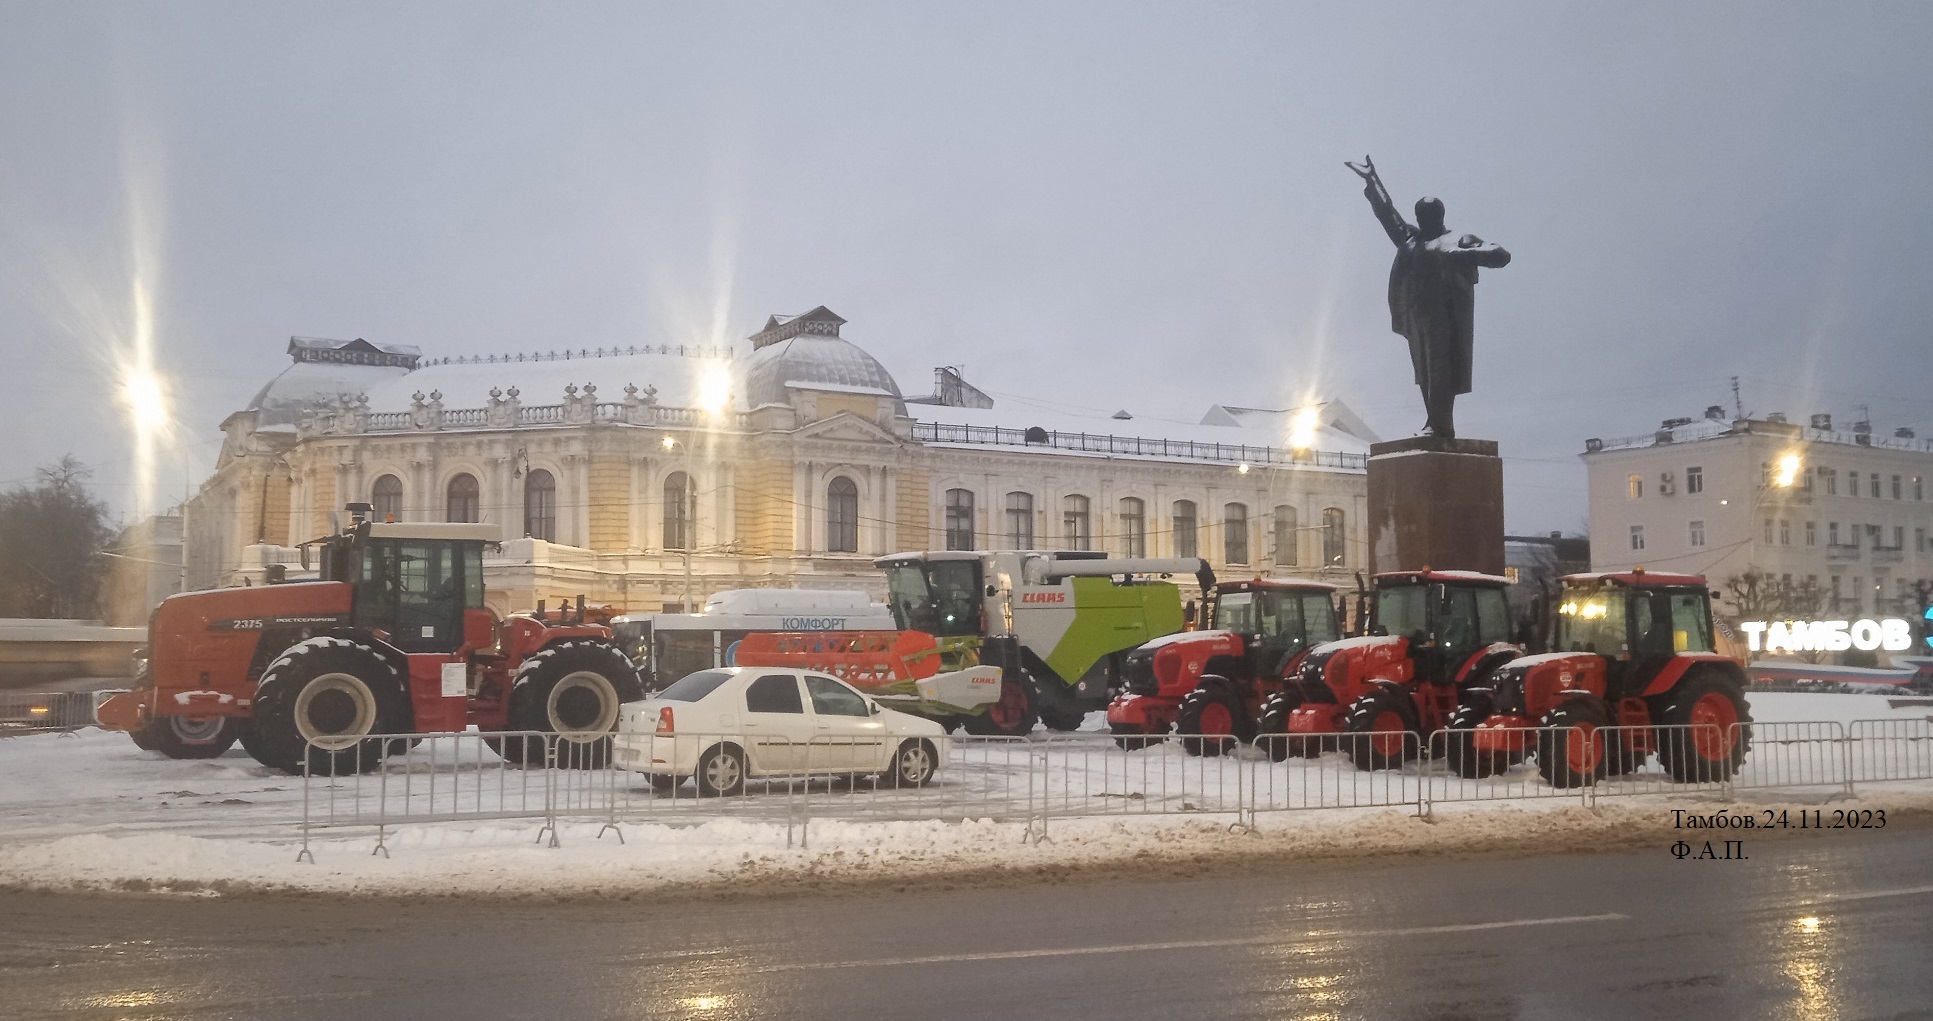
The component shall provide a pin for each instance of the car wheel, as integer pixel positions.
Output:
(913, 764)
(721, 772)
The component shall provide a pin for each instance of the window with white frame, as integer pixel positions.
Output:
(1637, 536)
(1694, 479)
(1020, 520)
(1076, 523)
(1697, 533)
(1134, 527)
(959, 519)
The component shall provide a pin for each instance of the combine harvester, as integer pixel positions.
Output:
(394, 639)
(994, 641)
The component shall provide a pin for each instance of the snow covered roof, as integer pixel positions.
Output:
(1013, 420)
(677, 371)
(813, 361)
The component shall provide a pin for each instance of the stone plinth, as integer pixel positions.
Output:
(1436, 503)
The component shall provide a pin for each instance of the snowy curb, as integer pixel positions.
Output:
(741, 858)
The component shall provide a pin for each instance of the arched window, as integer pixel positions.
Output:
(680, 507)
(1020, 521)
(1333, 537)
(1076, 523)
(959, 519)
(842, 516)
(462, 499)
(1284, 540)
(540, 505)
(386, 498)
(1184, 529)
(1134, 527)
(1235, 534)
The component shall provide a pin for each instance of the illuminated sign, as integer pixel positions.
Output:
(1891, 634)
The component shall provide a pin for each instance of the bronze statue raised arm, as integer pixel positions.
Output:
(1432, 295)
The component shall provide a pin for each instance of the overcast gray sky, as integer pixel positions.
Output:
(1096, 206)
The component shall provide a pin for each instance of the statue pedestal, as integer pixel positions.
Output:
(1436, 503)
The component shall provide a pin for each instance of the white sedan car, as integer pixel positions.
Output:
(722, 727)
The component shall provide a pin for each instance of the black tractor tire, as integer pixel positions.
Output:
(1213, 708)
(914, 763)
(1272, 729)
(1013, 715)
(143, 736)
(1371, 716)
(1713, 751)
(1061, 718)
(1570, 751)
(336, 690)
(574, 690)
(180, 737)
(721, 772)
(1460, 745)
(1132, 738)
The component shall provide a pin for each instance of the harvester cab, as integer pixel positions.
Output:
(394, 638)
(1631, 650)
(1059, 625)
(1430, 634)
(1215, 681)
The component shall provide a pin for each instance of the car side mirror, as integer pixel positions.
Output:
(872, 709)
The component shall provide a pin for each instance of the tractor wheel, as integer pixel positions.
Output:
(721, 772)
(1273, 728)
(192, 737)
(913, 764)
(1132, 738)
(1210, 710)
(318, 703)
(143, 736)
(1381, 730)
(1570, 751)
(572, 689)
(1703, 745)
(1012, 716)
(1460, 746)
(1061, 718)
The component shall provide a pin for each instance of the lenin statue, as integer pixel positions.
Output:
(1432, 296)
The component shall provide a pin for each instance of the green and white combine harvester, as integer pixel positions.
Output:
(1057, 626)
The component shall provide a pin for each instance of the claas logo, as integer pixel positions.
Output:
(1051, 596)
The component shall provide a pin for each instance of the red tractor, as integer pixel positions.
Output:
(394, 639)
(1215, 681)
(1430, 635)
(1633, 650)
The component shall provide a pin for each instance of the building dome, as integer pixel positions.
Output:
(806, 352)
(325, 370)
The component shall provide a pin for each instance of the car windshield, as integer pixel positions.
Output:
(1404, 610)
(1591, 618)
(693, 687)
(939, 597)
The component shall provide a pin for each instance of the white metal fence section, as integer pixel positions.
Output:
(41, 712)
(385, 782)
(1035, 779)
(1882, 750)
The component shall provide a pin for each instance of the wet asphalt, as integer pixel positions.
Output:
(1832, 926)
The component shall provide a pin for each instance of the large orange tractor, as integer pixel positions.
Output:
(1632, 649)
(394, 639)
(1378, 697)
(1215, 681)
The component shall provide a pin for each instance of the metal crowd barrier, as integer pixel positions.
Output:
(42, 712)
(1035, 779)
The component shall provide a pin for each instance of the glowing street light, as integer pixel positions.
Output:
(1302, 428)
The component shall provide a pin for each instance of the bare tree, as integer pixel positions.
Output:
(51, 535)
(1761, 595)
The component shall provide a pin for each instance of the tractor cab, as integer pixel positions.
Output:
(1637, 622)
(419, 583)
(1446, 617)
(1275, 618)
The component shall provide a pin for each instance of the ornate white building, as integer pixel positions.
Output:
(609, 476)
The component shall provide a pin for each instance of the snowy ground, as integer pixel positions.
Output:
(91, 810)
